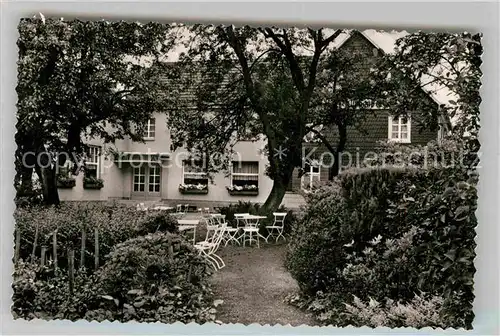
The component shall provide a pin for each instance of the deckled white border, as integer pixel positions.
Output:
(475, 16)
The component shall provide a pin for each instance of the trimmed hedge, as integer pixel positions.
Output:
(380, 233)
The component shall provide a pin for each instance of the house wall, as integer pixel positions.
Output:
(118, 180)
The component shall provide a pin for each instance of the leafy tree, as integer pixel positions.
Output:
(79, 80)
(345, 96)
(433, 61)
(247, 81)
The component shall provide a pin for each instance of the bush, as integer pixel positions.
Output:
(144, 282)
(115, 223)
(41, 292)
(159, 222)
(140, 281)
(390, 233)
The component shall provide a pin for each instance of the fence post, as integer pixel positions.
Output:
(170, 249)
(18, 245)
(71, 271)
(35, 242)
(82, 249)
(54, 248)
(96, 248)
(42, 257)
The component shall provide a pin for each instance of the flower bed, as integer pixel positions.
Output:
(193, 189)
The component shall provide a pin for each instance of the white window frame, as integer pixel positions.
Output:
(139, 182)
(190, 173)
(157, 173)
(399, 124)
(312, 174)
(90, 156)
(244, 174)
(150, 129)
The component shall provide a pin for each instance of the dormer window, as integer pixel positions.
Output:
(400, 129)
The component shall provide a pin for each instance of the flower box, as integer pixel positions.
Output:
(92, 183)
(246, 190)
(243, 192)
(199, 189)
(194, 191)
(67, 183)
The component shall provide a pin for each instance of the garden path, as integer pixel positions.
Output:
(254, 284)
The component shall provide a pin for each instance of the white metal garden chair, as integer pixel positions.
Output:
(277, 227)
(211, 224)
(240, 218)
(250, 231)
(209, 247)
(230, 232)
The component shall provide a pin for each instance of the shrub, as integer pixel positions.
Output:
(41, 292)
(115, 223)
(139, 282)
(390, 233)
(418, 313)
(144, 282)
(159, 222)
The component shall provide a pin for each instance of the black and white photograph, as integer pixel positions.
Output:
(243, 173)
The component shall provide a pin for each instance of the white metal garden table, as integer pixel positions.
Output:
(252, 227)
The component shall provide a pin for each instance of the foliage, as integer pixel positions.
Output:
(434, 61)
(115, 223)
(390, 233)
(138, 282)
(160, 222)
(79, 80)
(41, 292)
(152, 282)
(245, 81)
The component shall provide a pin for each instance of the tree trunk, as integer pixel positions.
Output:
(26, 186)
(275, 197)
(49, 186)
(46, 171)
(335, 168)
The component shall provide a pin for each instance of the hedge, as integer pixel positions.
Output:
(378, 233)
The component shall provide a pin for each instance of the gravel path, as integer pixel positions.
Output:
(253, 286)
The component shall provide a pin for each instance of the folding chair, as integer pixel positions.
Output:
(278, 226)
(209, 247)
(249, 230)
(211, 225)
